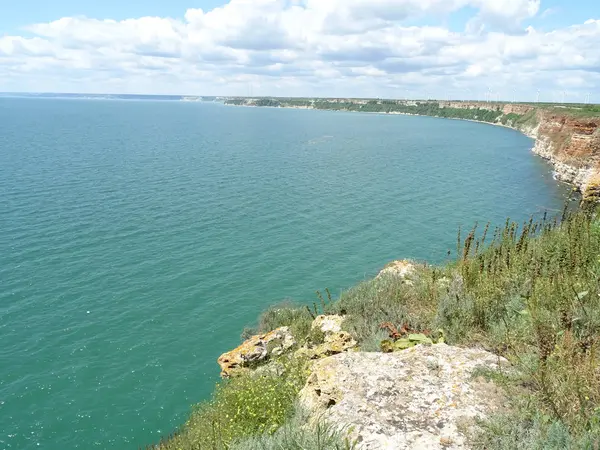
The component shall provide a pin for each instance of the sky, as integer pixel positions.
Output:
(456, 49)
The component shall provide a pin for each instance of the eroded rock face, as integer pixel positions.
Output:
(335, 343)
(571, 144)
(255, 350)
(421, 398)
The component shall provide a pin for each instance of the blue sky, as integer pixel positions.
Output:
(391, 48)
(18, 14)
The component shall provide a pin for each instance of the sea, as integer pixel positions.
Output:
(138, 236)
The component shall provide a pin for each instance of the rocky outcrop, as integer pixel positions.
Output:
(327, 338)
(333, 343)
(256, 350)
(425, 397)
(516, 108)
(401, 268)
(333, 339)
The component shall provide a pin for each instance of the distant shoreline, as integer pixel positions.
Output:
(536, 123)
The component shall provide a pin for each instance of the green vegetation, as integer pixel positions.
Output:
(283, 314)
(529, 119)
(485, 112)
(425, 108)
(296, 435)
(529, 292)
(420, 108)
(246, 406)
(571, 109)
(533, 296)
(510, 119)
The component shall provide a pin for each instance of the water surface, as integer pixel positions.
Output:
(137, 238)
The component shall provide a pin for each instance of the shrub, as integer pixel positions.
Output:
(384, 299)
(531, 432)
(534, 297)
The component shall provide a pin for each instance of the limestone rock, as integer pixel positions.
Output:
(256, 350)
(420, 398)
(337, 342)
(334, 343)
(591, 191)
(328, 324)
(402, 268)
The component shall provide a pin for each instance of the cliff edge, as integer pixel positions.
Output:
(571, 144)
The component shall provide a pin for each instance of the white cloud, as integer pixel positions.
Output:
(306, 47)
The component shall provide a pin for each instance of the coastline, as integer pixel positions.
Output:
(579, 177)
(320, 361)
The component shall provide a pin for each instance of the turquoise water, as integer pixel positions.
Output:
(138, 238)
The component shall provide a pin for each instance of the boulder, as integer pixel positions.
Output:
(424, 397)
(256, 350)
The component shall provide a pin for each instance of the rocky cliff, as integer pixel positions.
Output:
(424, 395)
(568, 137)
(571, 144)
(495, 350)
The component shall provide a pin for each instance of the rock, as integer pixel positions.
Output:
(421, 398)
(571, 144)
(256, 350)
(591, 191)
(402, 268)
(335, 340)
(328, 324)
(334, 343)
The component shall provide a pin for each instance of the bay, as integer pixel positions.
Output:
(137, 238)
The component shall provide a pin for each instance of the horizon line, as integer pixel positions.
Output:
(80, 94)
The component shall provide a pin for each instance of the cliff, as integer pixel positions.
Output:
(567, 136)
(496, 350)
(571, 143)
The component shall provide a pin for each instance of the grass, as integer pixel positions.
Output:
(532, 295)
(299, 434)
(252, 405)
(531, 431)
(578, 111)
(529, 292)
(528, 120)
